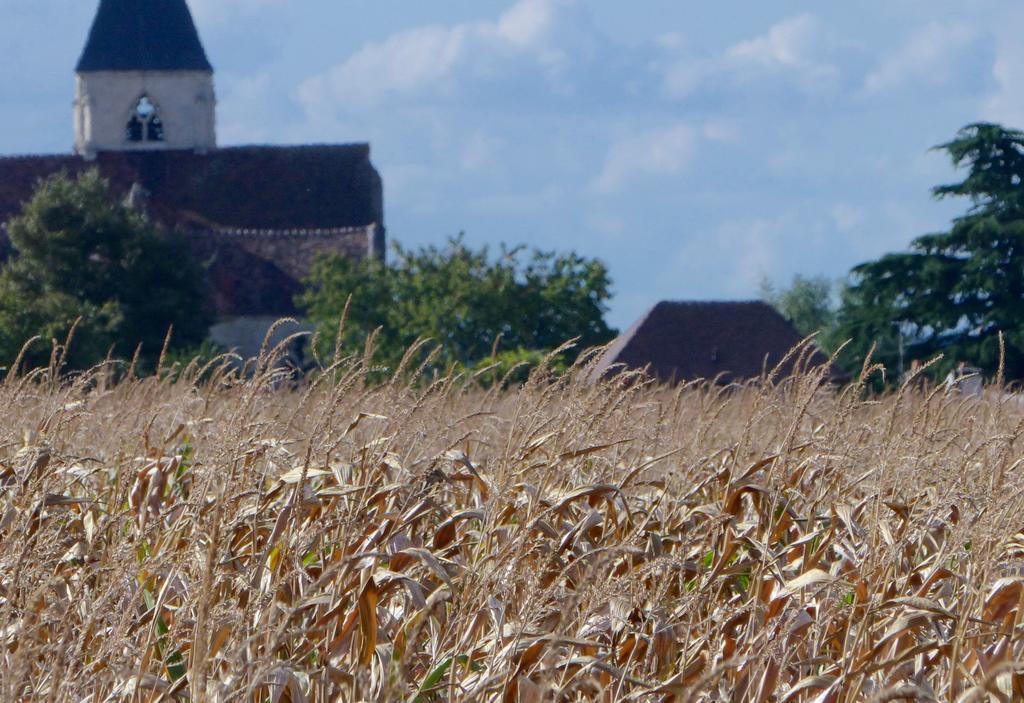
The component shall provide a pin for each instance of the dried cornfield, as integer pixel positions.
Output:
(241, 539)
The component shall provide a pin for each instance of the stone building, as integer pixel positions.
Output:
(143, 82)
(145, 116)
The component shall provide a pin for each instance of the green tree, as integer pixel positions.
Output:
(808, 303)
(514, 366)
(462, 299)
(954, 291)
(79, 253)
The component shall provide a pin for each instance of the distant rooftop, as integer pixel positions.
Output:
(143, 35)
(683, 341)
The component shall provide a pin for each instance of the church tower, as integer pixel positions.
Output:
(143, 82)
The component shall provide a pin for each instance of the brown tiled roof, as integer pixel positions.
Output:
(683, 341)
(258, 187)
(257, 216)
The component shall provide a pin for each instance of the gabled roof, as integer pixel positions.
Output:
(684, 341)
(143, 35)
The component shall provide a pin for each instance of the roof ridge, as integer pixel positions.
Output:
(290, 231)
(743, 301)
(298, 147)
(27, 157)
(355, 146)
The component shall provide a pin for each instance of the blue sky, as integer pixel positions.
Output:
(694, 147)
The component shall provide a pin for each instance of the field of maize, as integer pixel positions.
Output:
(208, 535)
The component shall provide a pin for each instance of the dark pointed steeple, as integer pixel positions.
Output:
(143, 35)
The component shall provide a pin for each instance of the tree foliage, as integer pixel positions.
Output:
(954, 291)
(514, 366)
(78, 253)
(807, 303)
(465, 300)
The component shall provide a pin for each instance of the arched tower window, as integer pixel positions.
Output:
(144, 124)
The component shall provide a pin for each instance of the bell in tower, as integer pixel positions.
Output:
(144, 82)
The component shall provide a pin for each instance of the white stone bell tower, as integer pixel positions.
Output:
(144, 82)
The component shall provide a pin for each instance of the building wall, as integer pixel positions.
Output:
(241, 327)
(294, 253)
(260, 272)
(104, 101)
(245, 335)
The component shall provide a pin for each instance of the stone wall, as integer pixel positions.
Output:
(260, 272)
(184, 100)
(245, 335)
(257, 274)
(294, 251)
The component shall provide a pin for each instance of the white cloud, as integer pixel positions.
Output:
(401, 64)
(525, 22)
(795, 49)
(1006, 103)
(792, 50)
(660, 152)
(788, 43)
(730, 260)
(665, 151)
(732, 257)
(432, 60)
(933, 56)
(683, 78)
